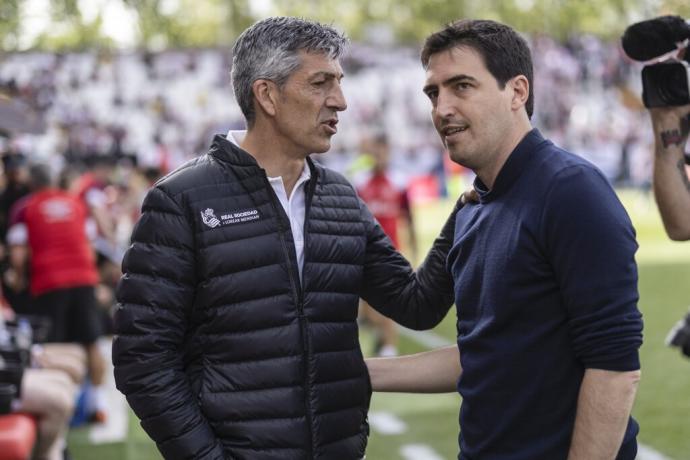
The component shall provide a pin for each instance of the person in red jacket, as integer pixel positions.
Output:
(91, 187)
(389, 204)
(48, 233)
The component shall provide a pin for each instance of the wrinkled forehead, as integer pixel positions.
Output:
(316, 62)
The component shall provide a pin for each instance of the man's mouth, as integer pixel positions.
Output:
(331, 125)
(450, 130)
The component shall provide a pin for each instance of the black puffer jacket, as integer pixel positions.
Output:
(221, 350)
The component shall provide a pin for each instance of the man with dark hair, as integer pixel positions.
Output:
(237, 309)
(545, 276)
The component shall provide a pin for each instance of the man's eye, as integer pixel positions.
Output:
(432, 95)
(319, 82)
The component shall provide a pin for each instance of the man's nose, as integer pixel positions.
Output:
(446, 105)
(336, 99)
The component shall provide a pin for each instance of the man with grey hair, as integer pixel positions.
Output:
(237, 309)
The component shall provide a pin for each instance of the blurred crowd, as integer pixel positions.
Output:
(114, 122)
(159, 109)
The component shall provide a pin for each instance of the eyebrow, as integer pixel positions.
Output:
(450, 81)
(327, 75)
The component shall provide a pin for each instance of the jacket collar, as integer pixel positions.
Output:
(243, 163)
(229, 152)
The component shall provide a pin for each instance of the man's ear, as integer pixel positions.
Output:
(521, 89)
(265, 94)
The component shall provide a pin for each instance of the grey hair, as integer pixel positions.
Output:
(269, 50)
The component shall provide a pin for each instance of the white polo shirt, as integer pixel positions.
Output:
(294, 205)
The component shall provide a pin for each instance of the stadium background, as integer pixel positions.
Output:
(157, 70)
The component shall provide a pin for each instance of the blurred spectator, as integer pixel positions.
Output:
(163, 114)
(15, 178)
(48, 232)
(48, 391)
(91, 188)
(389, 203)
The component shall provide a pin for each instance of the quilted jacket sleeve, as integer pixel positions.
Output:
(418, 300)
(155, 297)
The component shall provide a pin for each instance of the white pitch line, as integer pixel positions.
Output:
(647, 453)
(432, 340)
(115, 427)
(386, 423)
(419, 452)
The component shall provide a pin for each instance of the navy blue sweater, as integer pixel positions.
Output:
(545, 286)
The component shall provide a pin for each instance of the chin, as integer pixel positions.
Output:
(459, 158)
(321, 147)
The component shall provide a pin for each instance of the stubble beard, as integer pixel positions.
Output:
(463, 158)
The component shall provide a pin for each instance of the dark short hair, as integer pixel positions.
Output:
(39, 176)
(505, 53)
(12, 161)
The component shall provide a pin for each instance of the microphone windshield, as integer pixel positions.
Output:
(649, 39)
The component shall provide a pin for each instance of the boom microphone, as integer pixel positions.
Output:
(652, 38)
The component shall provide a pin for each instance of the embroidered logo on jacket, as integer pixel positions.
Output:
(209, 218)
(228, 218)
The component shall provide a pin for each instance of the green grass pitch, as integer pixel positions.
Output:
(663, 402)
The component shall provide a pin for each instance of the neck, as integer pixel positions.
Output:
(273, 156)
(489, 174)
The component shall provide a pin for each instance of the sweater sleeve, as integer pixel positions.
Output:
(418, 300)
(590, 244)
(155, 296)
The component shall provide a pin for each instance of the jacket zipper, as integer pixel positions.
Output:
(297, 291)
(309, 191)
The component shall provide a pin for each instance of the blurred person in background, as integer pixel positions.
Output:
(49, 391)
(547, 359)
(48, 243)
(16, 177)
(236, 318)
(90, 187)
(104, 200)
(390, 205)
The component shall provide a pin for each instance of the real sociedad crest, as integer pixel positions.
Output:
(209, 218)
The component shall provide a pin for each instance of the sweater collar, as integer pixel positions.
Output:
(513, 167)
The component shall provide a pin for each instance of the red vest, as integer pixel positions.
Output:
(61, 254)
(385, 201)
(84, 183)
